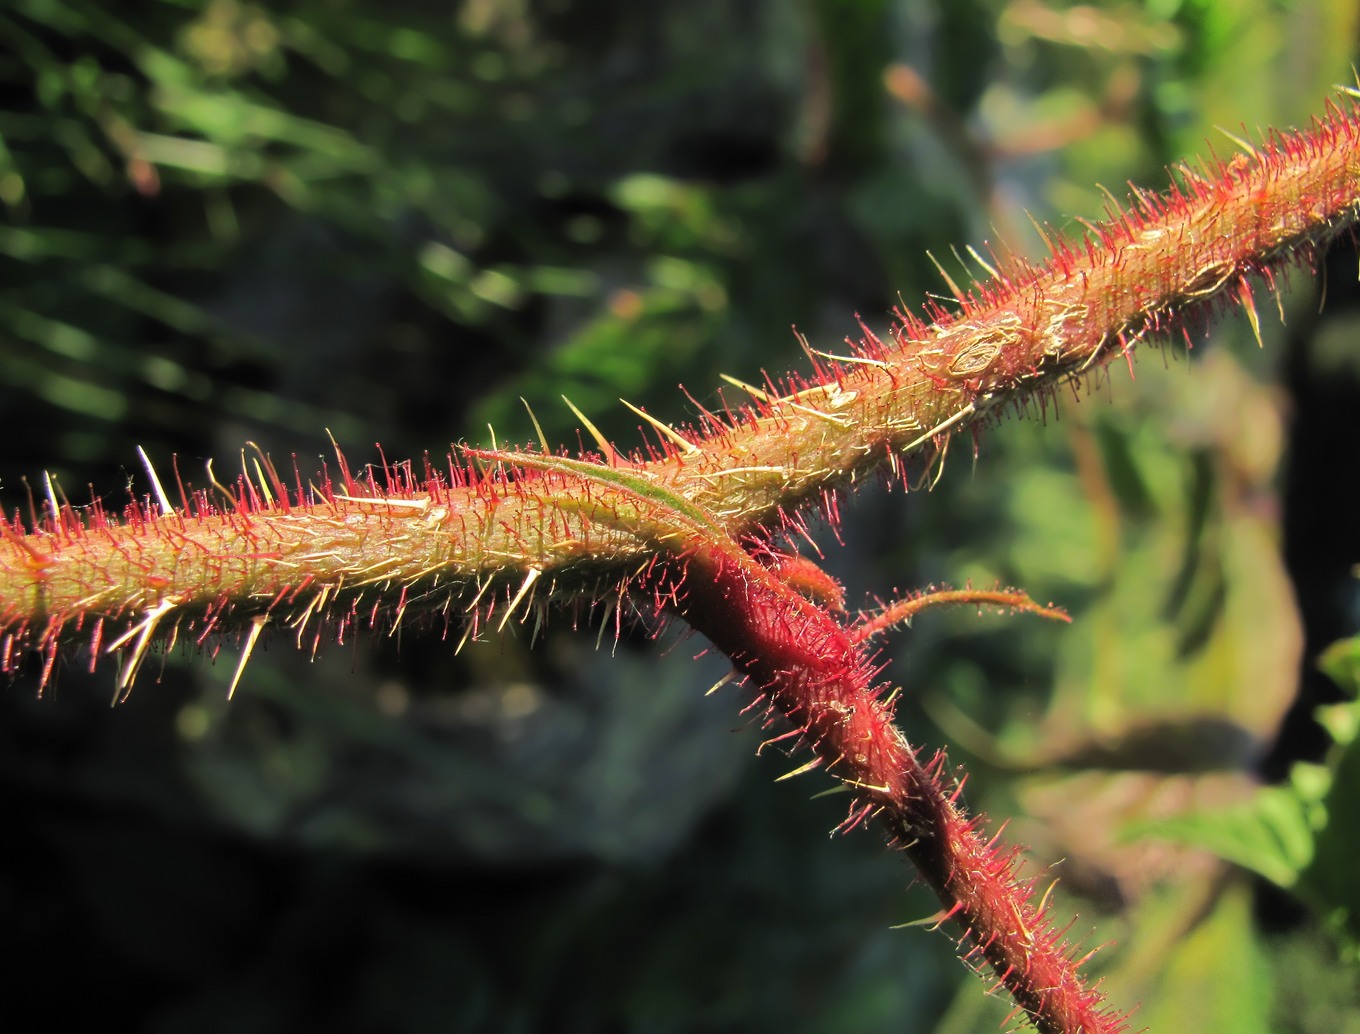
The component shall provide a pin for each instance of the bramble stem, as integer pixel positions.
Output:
(449, 537)
(814, 672)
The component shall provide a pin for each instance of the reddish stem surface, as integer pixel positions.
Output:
(816, 672)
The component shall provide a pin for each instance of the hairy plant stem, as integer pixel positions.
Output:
(815, 672)
(447, 538)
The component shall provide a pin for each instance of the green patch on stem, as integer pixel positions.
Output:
(678, 513)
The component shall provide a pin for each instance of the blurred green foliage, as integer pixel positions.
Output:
(228, 221)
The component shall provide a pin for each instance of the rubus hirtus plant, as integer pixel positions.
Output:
(696, 522)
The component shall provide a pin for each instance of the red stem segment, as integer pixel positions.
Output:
(815, 672)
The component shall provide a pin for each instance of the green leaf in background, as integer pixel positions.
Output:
(1217, 976)
(1329, 883)
(1271, 834)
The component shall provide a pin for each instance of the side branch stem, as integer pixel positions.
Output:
(809, 669)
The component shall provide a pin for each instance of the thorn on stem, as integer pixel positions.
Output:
(257, 624)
